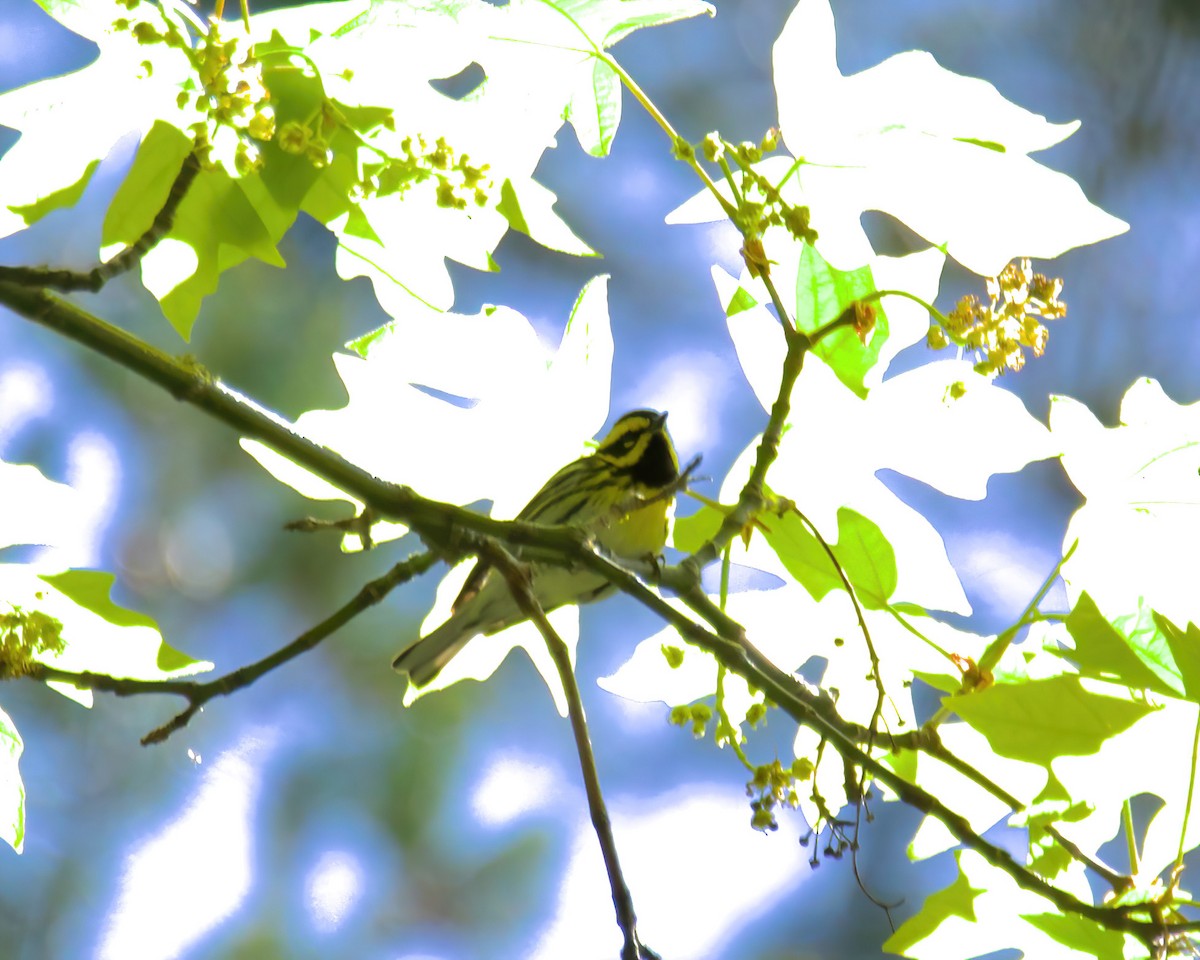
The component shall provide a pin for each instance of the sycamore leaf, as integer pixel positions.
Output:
(691, 532)
(835, 444)
(1140, 481)
(1040, 720)
(68, 196)
(980, 910)
(802, 554)
(479, 380)
(822, 294)
(362, 71)
(823, 289)
(1051, 807)
(35, 509)
(216, 226)
(1131, 651)
(983, 811)
(926, 145)
(1080, 934)
(69, 123)
(565, 34)
(12, 790)
(540, 66)
(1184, 650)
(97, 635)
(956, 900)
(867, 558)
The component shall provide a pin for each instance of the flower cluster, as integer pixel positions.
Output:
(25, 635)
(225, 87)
(772, 785)
(458, 180)
(698, 715)
(757, 202)
(1000, 331)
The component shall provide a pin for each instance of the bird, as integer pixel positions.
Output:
(622, 494)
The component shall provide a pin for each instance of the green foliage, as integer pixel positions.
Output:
(327, 110)
(1039, 720)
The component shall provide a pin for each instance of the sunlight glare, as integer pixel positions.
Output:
(193, 873)
(659, 853)
(333, 888)
(691, 387)
(25, 394)
(513, 785)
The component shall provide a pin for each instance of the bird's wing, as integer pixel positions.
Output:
(551, 492)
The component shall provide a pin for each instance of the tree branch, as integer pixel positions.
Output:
(198, 693)
(94, 279)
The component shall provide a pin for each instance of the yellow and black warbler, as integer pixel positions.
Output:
(621, 494)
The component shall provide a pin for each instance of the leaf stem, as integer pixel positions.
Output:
(1187, 809)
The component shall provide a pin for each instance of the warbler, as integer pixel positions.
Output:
(621, 494)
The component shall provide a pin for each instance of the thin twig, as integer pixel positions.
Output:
(198, 693)
(517, 578)
(751, 499)
(94, 279)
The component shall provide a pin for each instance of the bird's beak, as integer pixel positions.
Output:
(660, 420)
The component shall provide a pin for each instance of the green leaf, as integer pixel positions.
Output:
(66, 197)
(144, 190)
(741, 300)
(90, 590)
(1139, 482)
(1185, 651)
(583, 26)
(915, 140)
(12, 790)
(595, 109)
(35, 509)
(533, 215)
(692, 532)
(1078, 933)
(1131, 651)
(956, 900)
(69, 123)
(646, 13)
(222, 227)
(867, 557)
(1039, 720)
(802, 553)
(822, 294)
(1053, 805)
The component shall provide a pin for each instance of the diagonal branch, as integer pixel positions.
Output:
(198, 693)
(94, 279)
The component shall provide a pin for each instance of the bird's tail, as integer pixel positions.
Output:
(424, 659)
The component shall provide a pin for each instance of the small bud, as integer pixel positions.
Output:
(293, 138)
(713, 148)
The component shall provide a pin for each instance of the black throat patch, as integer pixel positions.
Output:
(656, 467)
